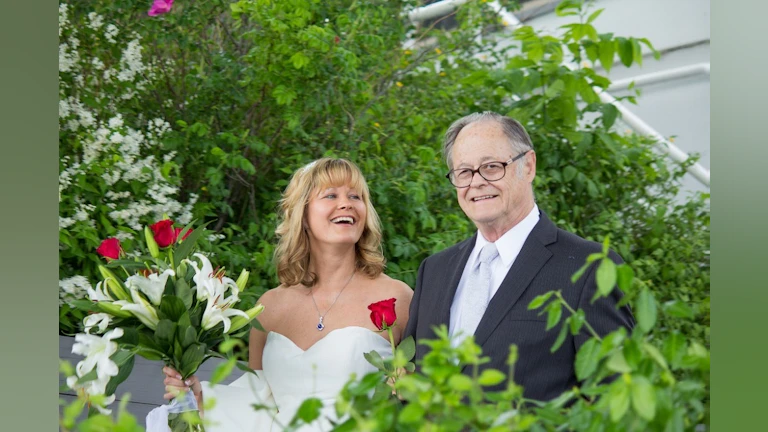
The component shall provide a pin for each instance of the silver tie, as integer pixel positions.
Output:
(477, 291)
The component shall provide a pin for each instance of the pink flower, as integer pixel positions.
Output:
(160, 7)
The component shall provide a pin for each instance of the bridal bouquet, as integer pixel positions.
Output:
(161, 305)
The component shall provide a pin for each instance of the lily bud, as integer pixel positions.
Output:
(239, 322)
(154, 249)
(115, 285)
(113, 309)
(242, 280)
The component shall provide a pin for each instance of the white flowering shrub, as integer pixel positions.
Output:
(114, 175)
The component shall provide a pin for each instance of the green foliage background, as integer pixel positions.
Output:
(254, 89)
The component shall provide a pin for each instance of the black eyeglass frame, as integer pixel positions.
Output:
(477, 171)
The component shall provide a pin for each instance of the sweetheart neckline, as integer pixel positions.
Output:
(327, 335)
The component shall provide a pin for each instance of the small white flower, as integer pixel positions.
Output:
(140, 308)
(110, 33)
(153, 286)
(116, 122)
(207, 284)
(95, 21)
(99, 320)
(97, 351)
(219, 309)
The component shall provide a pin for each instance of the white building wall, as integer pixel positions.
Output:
(679, 29)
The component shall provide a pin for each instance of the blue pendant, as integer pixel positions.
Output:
(320, 325)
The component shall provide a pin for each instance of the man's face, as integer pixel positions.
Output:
(498, 205)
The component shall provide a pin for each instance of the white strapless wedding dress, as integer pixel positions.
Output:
(290, 375)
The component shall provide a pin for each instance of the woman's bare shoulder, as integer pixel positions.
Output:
(393, 287)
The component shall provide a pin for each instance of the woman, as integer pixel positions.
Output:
(316, 323)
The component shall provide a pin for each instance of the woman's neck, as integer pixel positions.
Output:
(333, 267)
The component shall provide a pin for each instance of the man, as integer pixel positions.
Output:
(483, 285)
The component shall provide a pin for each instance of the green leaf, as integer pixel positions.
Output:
(577, 321)
(299, 60)
(576, 276)
(368, 383)
(172, 308)
(643, 397)
(124, 360)
(560, 337)
(587, 359)
(191, 359)
(184, 292)
(309, 410)
(164, 333)
(229, 344)
(555, 312)
(569, 173)
(461, 383)
(655, 354)
(617, 363)
(375, 359)
(554, 89)
(626, 51)
(678, 309)
(190, 337)
(607, 53)
(619, 401)
(407, 347)
(182, 251)
(490, 377)
(90, 376)
(645, 307)
(674, 348)
(223, 370)
(412, 413)
(610, 113)
(539, 300)
(606, 277)
(593, 16)
(624, 276)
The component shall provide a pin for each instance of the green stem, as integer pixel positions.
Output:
(573, 312)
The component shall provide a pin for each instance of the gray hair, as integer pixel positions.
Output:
(515, 132)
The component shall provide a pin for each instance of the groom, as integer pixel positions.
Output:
(483, 285)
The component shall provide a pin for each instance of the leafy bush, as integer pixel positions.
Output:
(649, 379)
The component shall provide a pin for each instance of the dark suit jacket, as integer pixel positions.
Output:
(546, 262)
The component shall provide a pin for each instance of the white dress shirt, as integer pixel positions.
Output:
(509, 246)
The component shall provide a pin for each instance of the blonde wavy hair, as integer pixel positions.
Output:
(292, 252)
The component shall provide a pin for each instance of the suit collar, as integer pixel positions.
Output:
(531, 259)
(455, 265)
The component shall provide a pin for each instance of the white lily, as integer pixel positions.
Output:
(206, 282)
(99, 320)
(153, 286)
(100, 293)
(97, 351)
(140, 308)
(218, 309)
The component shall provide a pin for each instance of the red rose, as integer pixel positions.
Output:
(178, 231)
(164, 233)
(383, 313)
(110, 248)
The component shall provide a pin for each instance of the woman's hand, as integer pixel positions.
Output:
(174, 386)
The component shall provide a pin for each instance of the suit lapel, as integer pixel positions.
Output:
(456, 265)
(529, 262)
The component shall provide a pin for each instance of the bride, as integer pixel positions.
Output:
(317, 325)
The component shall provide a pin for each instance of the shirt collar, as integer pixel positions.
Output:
(511, 242)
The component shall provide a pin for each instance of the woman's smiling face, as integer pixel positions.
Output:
(336, 215)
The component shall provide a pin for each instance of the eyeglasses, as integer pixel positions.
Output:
(490, 171)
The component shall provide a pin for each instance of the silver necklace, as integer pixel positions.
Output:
(320, 326)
